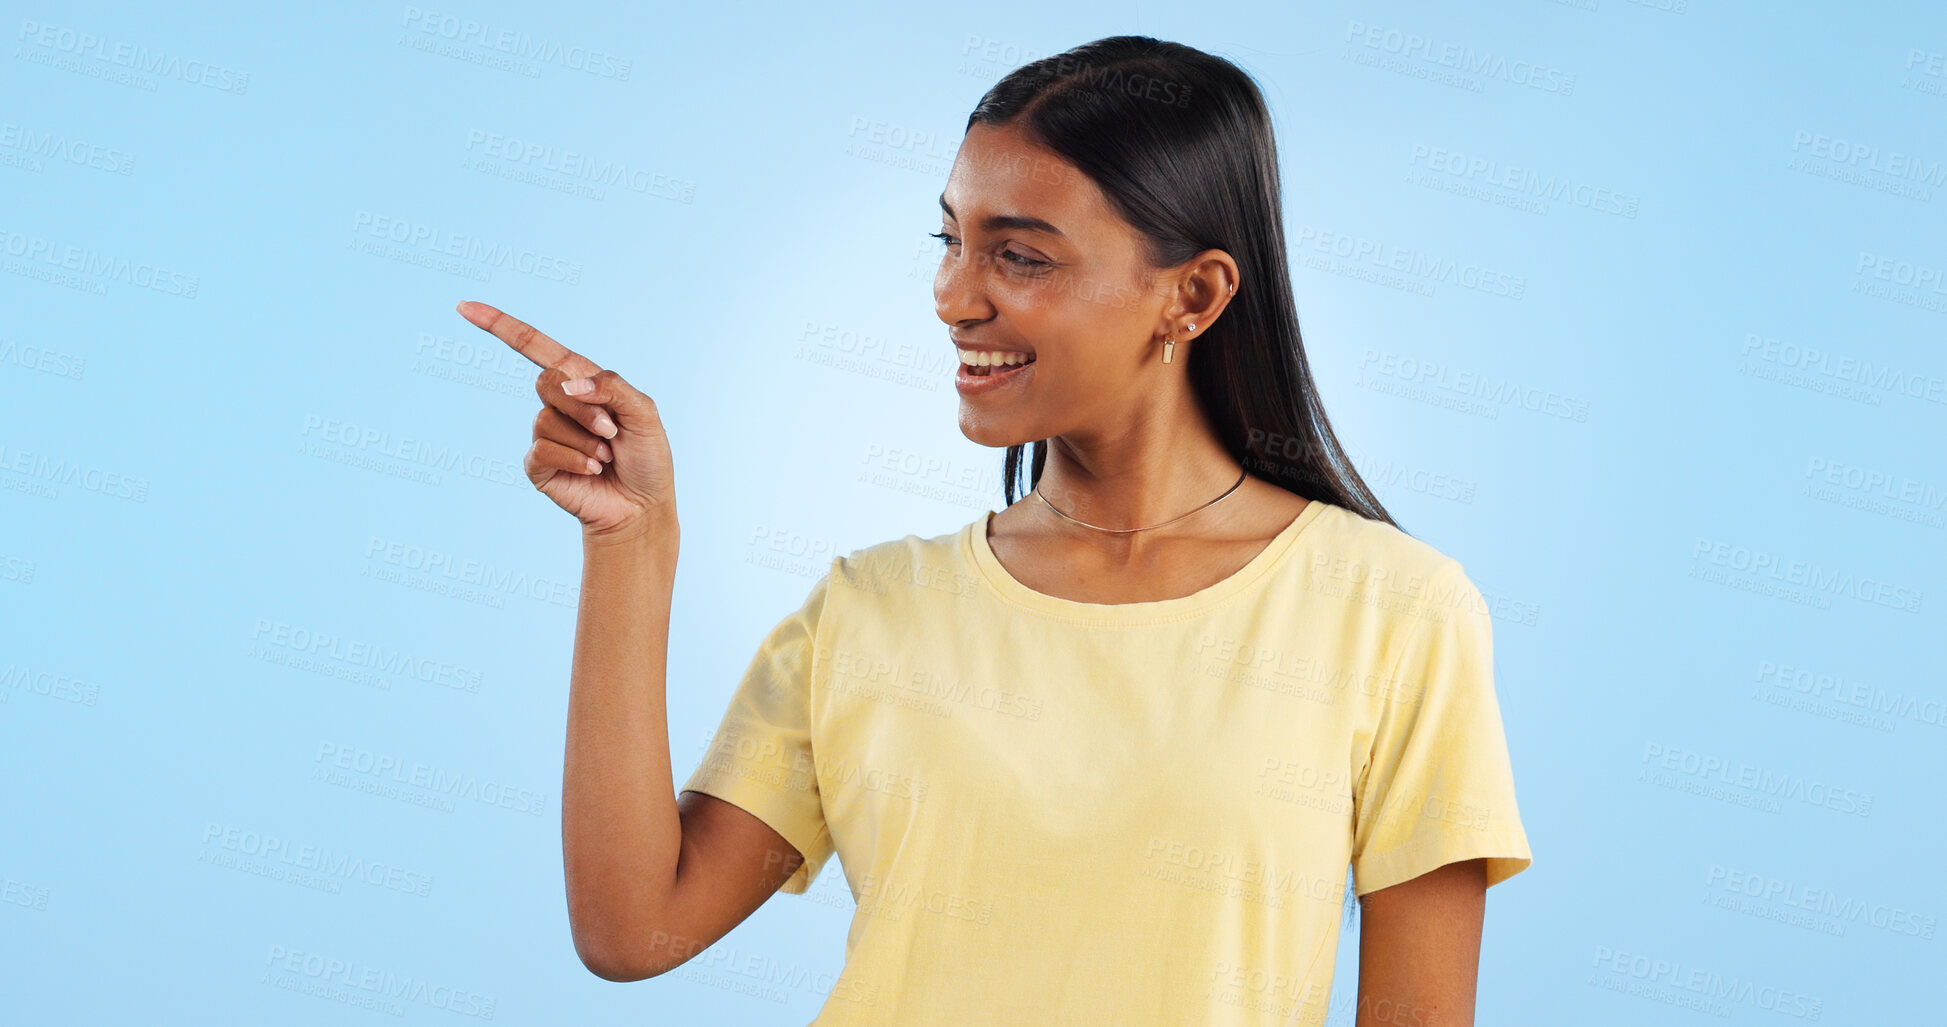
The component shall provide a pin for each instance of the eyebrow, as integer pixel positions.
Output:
(996, 222)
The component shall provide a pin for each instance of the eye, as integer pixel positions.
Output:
(1017, 259)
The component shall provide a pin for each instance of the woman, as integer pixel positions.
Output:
(1104, 756)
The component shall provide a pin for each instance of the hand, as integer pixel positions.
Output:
(601, 454)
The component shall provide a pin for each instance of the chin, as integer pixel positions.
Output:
(985, 431)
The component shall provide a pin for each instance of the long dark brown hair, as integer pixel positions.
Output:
(1180, 142)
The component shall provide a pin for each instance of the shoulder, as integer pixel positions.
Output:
(1430, 626)
(1382, 576)
(909, 561)
(1351, 547)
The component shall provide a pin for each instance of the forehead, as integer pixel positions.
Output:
(1000, 171)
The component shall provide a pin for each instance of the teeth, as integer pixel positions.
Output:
(985, 358)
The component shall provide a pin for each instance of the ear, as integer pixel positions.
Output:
(1207, 285)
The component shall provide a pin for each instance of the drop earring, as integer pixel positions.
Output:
(1169, 345)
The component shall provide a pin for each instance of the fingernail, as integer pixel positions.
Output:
(577, 386)
(594, 467)
(604, 427)
(602, 451)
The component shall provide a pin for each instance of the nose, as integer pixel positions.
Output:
(959, 296)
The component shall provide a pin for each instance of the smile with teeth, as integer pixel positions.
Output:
(981, 363)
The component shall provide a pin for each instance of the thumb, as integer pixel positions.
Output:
(633, 409)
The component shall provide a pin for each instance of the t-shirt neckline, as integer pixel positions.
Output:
(974, 546)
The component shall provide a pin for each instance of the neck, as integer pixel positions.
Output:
(1142, 474)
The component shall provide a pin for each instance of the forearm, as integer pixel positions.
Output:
(620, 832)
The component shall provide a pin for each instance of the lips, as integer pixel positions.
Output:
(984, 370)
(973, 381)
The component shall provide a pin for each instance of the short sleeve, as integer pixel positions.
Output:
(1438, 787)
(760, 758)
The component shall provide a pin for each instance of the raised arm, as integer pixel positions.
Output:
(651, 881)
(653, 878)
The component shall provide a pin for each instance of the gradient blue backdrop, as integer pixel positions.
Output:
(1636, 308)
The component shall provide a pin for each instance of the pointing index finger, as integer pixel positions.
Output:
(527, 340)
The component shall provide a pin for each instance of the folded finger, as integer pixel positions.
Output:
(547, 454)
(556, 426)
(592, 416)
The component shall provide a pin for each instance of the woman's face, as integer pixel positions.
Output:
(1035, 262)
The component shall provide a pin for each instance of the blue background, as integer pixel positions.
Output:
(1706, 493)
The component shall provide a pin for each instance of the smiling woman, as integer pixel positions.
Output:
(1231, 705)
(1127, 750)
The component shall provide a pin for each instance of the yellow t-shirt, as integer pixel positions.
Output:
(1055, 812)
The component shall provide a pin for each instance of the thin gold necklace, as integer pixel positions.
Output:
(1124, 531)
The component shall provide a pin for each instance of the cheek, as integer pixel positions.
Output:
(1030, 298)
(1065, 305)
